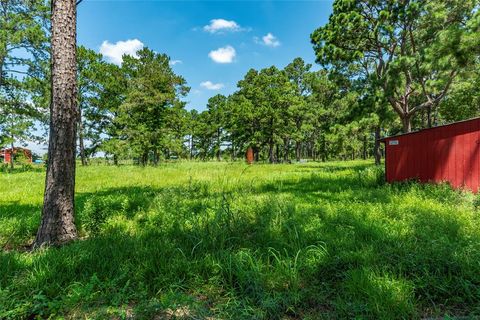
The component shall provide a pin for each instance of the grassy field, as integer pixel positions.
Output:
(228, 241)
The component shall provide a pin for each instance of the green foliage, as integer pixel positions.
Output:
(286, 114)
(372, 176)
(411, 51)
(95, 213)
(24, 35)
(198, 240)
(138, 110)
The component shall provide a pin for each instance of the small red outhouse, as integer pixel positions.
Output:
(448, 153)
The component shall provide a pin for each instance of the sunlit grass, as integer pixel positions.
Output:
(231, 241)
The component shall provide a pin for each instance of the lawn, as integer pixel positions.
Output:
(231, 241)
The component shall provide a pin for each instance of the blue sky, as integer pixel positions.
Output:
(214, 43)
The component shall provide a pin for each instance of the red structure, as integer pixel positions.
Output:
(6, 154)
(249, 155)
(449, 153)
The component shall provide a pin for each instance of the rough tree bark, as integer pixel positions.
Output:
(58, 226)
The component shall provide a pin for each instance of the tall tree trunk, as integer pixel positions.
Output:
(144, 158)
(429, 117)
(12, 154)
(256, 153)
(234, 151)
(406, 123)
(271, 156)
(298, 150)
(81, 144)
(219, 151)
(2, 62)
(364, 153)
(155, 156)
(376, 149)
(58, 226)
(286, 148)
(314, 150)
(277, 153)
(423, 119)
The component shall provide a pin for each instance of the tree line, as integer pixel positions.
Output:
(135, 111)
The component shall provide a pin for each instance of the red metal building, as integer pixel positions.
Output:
(7, 153)
(449, 153)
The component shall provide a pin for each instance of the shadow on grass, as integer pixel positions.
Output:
(18, 223)
(317, 247)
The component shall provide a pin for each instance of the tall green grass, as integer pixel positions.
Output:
(230, 241)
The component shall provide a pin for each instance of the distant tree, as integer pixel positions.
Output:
(216, 122)
(299, 74)
(152, 88)
(91, 81)
(105, 129)
(173, 131)
(243, 120)
(270, 94)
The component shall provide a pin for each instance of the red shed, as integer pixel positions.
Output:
(449, 153)
(7, 153)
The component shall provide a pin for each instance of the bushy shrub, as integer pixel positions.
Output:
(26, 167)
(372, 176)
(98, 209)
(476, 201)
(4, 167)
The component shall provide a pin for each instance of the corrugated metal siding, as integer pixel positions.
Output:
(448, 153)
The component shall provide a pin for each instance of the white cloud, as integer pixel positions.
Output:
(219, 25)
(223, 55)
(268, 40)
(175, 62)
(114, 52)
(209, 85)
